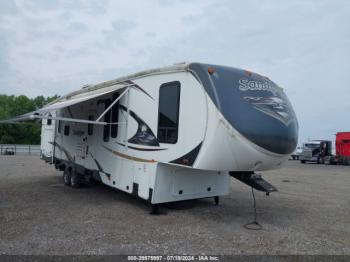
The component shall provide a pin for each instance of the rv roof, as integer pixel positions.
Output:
(90, 88)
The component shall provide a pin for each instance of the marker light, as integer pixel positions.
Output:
(211, 70)
(248, 72)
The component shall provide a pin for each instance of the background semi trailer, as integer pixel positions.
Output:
(316, 151)
(342, 150)
(296, 154)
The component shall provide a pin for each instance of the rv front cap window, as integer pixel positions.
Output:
(168, 116)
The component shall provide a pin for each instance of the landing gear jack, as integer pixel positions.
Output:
(155, 209)
(216, 200)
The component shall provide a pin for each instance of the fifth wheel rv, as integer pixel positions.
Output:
(170, 134)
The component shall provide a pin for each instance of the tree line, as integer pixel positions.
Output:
(11, 106)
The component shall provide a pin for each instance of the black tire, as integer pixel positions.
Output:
(93, 182)
(75, 180)
(302, 161)
(347, 161)
(216, 200)
(67, 177)
(155, 209)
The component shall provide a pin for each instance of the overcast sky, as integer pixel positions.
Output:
(52, 47)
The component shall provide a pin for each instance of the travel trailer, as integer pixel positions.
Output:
(170, 134)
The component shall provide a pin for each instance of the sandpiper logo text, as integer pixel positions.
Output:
(253, 85)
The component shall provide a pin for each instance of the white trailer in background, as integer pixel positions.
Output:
(47, 137)
(171, 134)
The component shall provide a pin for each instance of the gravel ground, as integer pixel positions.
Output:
(39, 215)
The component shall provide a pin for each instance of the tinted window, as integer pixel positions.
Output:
(106, 128)
(91, 126)
(168, 116)
(115, 117)
(66, 130)
(59, 127)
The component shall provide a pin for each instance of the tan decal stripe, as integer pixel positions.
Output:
(129, 157)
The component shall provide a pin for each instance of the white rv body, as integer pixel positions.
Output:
(145, 173)
(206, 143)
(47, 136)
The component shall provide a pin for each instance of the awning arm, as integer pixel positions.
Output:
(69, 119)
(114, 102)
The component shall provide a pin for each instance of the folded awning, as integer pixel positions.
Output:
(69, 100)
(73, 99)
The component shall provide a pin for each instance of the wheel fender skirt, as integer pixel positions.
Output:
(254, 180)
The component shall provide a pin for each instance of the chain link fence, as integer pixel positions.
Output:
(19, 150)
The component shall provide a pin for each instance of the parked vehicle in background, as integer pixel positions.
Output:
(9, 151)
(18, 149)
(342, 150)
(296, 154)
(316, 151)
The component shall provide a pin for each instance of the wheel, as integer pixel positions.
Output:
(302, 161)
(75, 180)
(91, 181)
(216, 200)
(155, 209)
(67, 177)
(293, 157)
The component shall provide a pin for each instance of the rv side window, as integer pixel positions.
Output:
(106, 128)
(49, 121)
(59, 127)
(115, 117)
(91, 126)
(66, 130)
(168, 116)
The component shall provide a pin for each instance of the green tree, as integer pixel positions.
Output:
(11, 106)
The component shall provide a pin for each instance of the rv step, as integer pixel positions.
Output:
(255, 181)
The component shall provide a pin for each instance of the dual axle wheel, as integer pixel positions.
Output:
(71, 178)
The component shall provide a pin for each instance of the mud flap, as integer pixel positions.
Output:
(255, 181)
